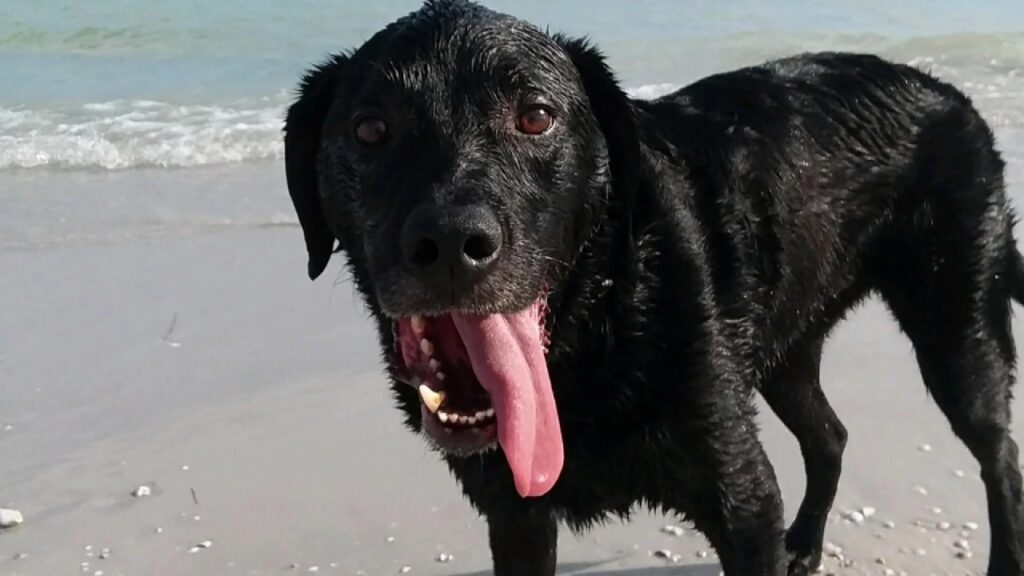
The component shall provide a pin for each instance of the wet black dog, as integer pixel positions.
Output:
(577, 293)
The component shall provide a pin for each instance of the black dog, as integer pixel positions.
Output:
(597, 285)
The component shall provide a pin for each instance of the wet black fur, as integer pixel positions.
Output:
(698, 247)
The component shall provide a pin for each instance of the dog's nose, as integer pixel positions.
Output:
(455, 239)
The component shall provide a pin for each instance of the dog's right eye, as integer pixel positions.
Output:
(371, 130)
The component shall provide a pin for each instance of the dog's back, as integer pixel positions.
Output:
(821, 177)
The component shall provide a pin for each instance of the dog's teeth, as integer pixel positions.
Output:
(431, 399)
(440, 375)
(435, 365)
(490, 412)
(442, 416)
(419, 323)
(427, 347)
(471, 420)
(463, 420)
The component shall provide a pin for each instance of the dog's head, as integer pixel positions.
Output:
(459, 158)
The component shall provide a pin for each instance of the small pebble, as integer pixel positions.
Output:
(185, 468)
(702, 553)
(868, 511)
(158, 530)
(964, 554)
(965, 533)
(888, 524)
(20, 556)
(98, 573)
(944, 526)
(962, 545)
(8, 428)
(921, 552)
(105, 554)
(88, 547)
(10, 518)
(405, 569)
(853, 516)
(663, 553)
(677, 558)
(389, 539)
(201, 546)
(880, 561)
(832, 550)
(889, 572)
(959, 473)
(142, 491)
(925, 447)
(972, 526)
(936, 510)
(313, 569)
(444, 558)
(673, 530)
(921, 490)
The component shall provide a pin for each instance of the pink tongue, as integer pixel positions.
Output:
(508, 359)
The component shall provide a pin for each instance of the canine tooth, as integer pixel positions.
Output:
(427, 347)
(490, 412)
(435, 365)
(442, 416)
(431, 399)
(419, 323)
(481, 415)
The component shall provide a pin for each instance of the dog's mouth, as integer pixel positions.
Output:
(483, 378)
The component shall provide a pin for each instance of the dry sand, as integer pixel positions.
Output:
(269, 390)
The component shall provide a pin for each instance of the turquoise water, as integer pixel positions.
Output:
(117, 84)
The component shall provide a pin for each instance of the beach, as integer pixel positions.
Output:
(157, 330)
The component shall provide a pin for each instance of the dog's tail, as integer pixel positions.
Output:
(1017, 276)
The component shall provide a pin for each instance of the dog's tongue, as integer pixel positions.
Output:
(507, 354)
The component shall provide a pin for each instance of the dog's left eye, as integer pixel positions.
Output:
(371, 130)
(535, 121)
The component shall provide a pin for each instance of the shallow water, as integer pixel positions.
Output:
(116, 84)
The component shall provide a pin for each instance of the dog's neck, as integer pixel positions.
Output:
(604, 275)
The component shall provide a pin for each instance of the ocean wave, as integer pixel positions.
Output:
(127, 134)
(123, 134)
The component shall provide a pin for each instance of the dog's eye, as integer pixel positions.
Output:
(535, 121)
(371, 130)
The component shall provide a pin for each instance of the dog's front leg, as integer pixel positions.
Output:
(739, 508)
(728, 487)
(523, 543)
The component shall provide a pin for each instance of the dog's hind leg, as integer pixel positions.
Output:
(966, 354)
(523, 544)
(794, 393)
(948, 275)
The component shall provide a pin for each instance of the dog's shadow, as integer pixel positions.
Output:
(581, 568)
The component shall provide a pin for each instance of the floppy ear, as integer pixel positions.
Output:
(303, 131)
(614, 113)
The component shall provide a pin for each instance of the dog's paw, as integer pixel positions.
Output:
(805, 563)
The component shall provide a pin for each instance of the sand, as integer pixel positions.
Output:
(199, 362)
